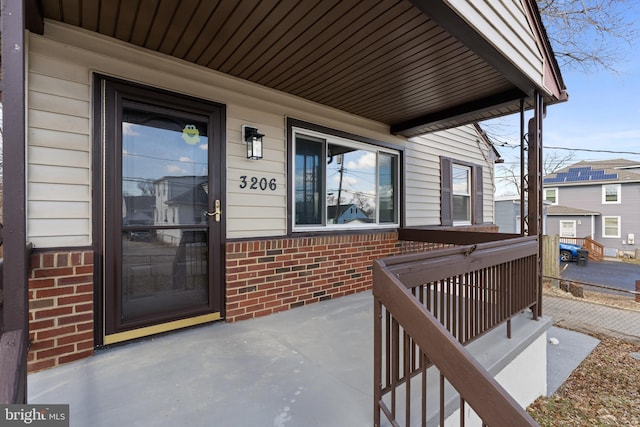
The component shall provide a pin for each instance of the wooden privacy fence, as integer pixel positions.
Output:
(427, 306)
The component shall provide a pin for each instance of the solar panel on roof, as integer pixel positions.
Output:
(581, 169)
(610, 176)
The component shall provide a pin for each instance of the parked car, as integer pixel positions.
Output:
(569, 252)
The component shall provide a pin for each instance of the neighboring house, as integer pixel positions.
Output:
(599, 199)
(507, 214)
(346, 214)
(161, 94)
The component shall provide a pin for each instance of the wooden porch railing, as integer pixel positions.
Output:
(596, 250)
(427, 306)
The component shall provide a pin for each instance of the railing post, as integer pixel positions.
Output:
(14, 118)
(377, 358)
(638, 290)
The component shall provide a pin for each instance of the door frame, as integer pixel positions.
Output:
(102, 132)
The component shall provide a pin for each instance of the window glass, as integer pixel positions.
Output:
(567, 229)
(309, 171)
(461, 199)
(387, 184)
(611, 193)
(551, 195)
(343, 183)
(611, 226)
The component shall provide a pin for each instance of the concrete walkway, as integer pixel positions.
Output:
(307, 367)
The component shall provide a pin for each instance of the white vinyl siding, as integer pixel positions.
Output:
(59, 177)
(504, 23)
(60, 127)
(422, 173)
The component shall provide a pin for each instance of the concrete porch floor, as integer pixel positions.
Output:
(311, 366)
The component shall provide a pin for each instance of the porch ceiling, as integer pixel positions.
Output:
(386, 60)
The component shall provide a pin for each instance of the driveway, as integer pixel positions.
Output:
(620, 275)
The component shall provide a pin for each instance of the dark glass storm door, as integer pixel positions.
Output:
(163, 219)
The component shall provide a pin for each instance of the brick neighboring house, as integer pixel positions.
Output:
(599, 199)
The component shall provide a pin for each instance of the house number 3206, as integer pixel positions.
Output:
(255, 183)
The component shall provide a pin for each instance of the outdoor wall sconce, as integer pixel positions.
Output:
(254, 142)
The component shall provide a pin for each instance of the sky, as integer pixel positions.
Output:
(602, 114)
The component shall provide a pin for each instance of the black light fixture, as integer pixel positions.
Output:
(254, 142)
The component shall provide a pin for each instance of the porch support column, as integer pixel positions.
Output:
(534, 178)
(524, 190)
(16, 259)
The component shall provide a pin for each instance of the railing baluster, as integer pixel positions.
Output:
(407, 379)
(424, 363)
(394, 363)
(460, 308)
(377, 359)
(442, 413)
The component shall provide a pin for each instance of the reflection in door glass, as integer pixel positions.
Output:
(164, 196)
(158, 277)
(164, 169)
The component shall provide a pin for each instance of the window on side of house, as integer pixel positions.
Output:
(611, 226)
(461, 193)
(568, 228)
(341, 183)
(551, 195)
(611, 193)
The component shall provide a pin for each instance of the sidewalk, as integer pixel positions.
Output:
(588, 317)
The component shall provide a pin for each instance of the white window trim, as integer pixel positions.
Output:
(574, 226)
(604, 194)
(557, 195)
(617, 236)
(330, 138)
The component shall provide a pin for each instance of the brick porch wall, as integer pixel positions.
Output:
(269, 276)
(60, 308)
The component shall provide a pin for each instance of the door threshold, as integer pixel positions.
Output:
(156, 329)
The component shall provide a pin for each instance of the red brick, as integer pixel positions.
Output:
(87, 258)
(81, 289)
(41, 283)
(84, 269)
(42, 324)
(53, 272)
(75, 299)
(83, 308)
(53, 352)
(54, 312)
(88, 326)
(62, 260)
(75, 356)
(76, 258)
(78, 318)
(75, 338)
(39, 366)
(53, 292)
(86, 345)
(75, 280)
(50, 333)
(48, 260)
